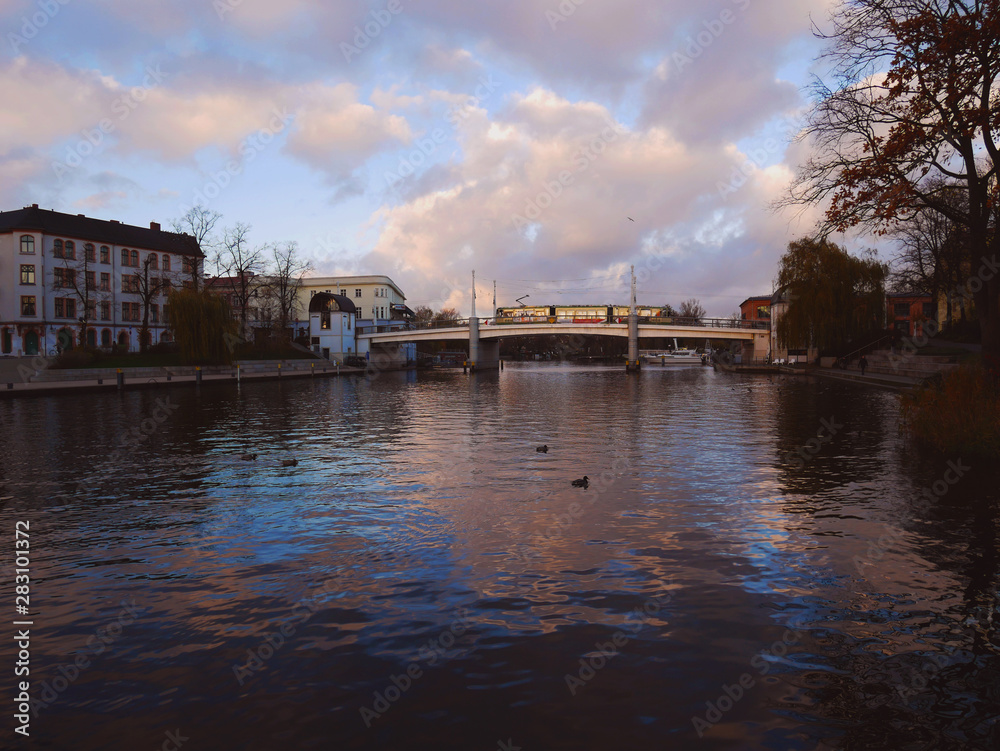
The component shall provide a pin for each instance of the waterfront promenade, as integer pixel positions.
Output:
(14, 383)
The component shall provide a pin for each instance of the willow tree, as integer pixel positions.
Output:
(913, 106)
(203, 326)
(834, 298)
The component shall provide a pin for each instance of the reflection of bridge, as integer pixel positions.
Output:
(484, 337)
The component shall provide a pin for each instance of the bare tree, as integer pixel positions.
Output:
(285, 282)
(149, 287)
(200, 222)
(77, 277)
(240, 262)
(692, 308)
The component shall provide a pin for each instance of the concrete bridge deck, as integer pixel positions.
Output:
(491, 331)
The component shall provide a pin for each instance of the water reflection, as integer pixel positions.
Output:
(275, 603)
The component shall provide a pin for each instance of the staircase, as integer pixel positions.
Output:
(910, 366)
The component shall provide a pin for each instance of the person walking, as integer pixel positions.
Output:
(863, 363)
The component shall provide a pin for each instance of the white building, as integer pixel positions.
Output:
(57, 270)
(332, 326)
(379, 300)
(379, 303)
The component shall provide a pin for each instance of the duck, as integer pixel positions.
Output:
(249, 457)
(581, 483)
(542, 449)
(289, 462)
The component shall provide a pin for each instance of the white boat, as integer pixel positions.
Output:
(676, 356)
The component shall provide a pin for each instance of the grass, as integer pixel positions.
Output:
(958, 414)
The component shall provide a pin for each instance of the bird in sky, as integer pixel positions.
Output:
(630, 219)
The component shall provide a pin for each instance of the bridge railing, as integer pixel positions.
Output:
(717, 323)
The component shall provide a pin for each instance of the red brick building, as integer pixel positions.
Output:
(906, 313)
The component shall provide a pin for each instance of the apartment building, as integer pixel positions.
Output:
(63, 274)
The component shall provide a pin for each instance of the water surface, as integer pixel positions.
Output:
(271, 607)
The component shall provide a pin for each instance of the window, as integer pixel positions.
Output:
(91, 279)
(91, 310)
(64, 278)
(134, 258)
(27, 245)
(166, 262)
(57, 248)
(166, 285)
(27, 305)
(154, 313)
(130, 311)
(166, 314)
(357, 292)
(71, 250)
(343, 292)
(105, 337)
(130, 283)
(65, 307)
(124, 256)
(105, 254)
(27, 274)
(154, 261)
(88, 253)
(106, 313)
(901, 309)
(105, 282)
(929, 310)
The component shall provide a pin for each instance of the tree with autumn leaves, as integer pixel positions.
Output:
(911, 115)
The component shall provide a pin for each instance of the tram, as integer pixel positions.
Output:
(577, 314)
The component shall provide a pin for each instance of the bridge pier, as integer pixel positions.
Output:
(482, 355)
(632, 364)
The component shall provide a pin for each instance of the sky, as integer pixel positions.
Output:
(546, 145)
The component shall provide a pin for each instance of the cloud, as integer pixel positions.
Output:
(544, 192)
(336, 133)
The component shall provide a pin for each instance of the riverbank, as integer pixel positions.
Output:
(18, 378)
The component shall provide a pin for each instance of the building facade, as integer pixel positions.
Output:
(63, 274)
(332, 326)
(908, 313)
(756, 308)
(379, 300)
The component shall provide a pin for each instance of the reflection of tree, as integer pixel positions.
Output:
(806, 463)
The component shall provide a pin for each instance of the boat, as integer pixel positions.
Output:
(676, 356)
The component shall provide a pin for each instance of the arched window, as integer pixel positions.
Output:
(89, 254)
(135, 258)
(124, 256)
(27, 244)
(57, 248)
(105, 254)
(70, 249)
(166, 262)
(154, 261)
(91, 338)
(105, 337)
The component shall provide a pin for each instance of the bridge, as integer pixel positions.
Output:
(484, 335)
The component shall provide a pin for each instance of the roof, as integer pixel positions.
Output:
(756, 298)
(327, 301)
(80, 227)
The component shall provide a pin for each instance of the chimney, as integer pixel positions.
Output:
(34, 205)
(113, 221)
(155, 226)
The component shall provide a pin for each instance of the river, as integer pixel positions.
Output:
(757, 562)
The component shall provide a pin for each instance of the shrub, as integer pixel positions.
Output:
(958, 414)
(78, 357)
